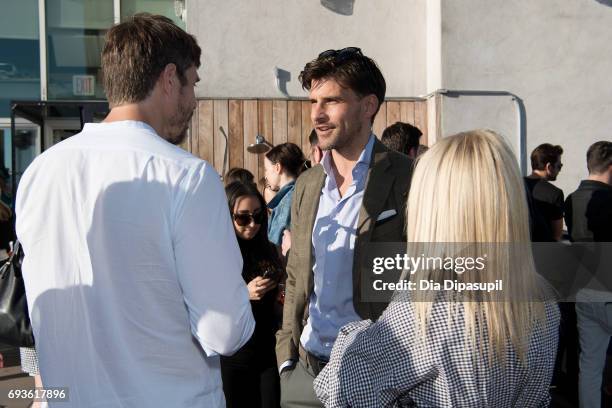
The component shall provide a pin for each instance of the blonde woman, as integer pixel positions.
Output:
(445, 348)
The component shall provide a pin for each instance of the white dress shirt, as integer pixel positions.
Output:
(132, 270)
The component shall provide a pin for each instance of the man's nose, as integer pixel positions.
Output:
(317, 113)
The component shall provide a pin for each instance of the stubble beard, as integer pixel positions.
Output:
(341, 140)
(180, 121)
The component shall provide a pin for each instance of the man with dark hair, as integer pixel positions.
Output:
(547, 199)
(588, 215)
(132, 269)
(356, 196)
(402, 137)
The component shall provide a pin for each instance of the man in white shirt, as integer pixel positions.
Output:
(132, 269)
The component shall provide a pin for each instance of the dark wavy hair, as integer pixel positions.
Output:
(355, 71)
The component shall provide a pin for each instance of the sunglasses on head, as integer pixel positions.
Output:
(345, 54)
(341, 55)
(244, 219)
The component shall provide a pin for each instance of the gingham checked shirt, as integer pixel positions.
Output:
(382, 365)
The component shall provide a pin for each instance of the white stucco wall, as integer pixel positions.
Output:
(555, 55)
(243, 41)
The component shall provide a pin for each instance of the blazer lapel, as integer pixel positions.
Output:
(378, 188)
(378, 185)
(312, 192)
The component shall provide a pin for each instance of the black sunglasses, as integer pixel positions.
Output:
(244, 219)
(341, 55)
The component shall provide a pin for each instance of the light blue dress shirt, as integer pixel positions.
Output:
(333, 240)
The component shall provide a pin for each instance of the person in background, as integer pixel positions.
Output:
(404, 138)
(132, 268)
(444, 348)
(7, 218)
(316, 154)
(238, 174)
(588, 215)
(283, 164)
(545, 203)
(28, 356)
(421, 149)
(267, 192)
(250, 378)
(547, 199)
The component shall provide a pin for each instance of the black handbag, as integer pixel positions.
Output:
(15, 327)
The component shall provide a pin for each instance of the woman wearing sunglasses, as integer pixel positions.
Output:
(250, 377)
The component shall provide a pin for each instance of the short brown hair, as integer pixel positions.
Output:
(545, 153)
(401, 137)
(137, 51)
(599, 157)
(354, 71)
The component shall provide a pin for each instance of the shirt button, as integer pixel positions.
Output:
(327, 316)
(327, 344)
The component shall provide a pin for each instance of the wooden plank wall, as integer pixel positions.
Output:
(279, 121)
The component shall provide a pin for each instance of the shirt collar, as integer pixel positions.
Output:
(136, 124)
(364, 158)
(595, 184)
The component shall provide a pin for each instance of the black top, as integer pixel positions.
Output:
(588, 212)
(259, 350)
(547, 206)
(7, 233)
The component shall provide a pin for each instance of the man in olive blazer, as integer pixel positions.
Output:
(386, 189)
(356, 196)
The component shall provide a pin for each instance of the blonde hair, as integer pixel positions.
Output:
(467, 188)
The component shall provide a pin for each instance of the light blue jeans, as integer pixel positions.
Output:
(594, 330)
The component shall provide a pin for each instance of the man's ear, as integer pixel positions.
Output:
(168, 78)
(548, 167)
(370, 104)
(277, 167)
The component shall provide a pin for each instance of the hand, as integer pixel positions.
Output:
(286, 242)
(259, 286)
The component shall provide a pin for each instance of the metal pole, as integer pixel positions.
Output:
(521, 116)
(42, 38)
(117, 11)
(13, 154)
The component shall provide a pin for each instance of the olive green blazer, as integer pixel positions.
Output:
(387, 184)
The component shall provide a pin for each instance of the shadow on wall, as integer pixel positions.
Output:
(343, 7)
(604, 2)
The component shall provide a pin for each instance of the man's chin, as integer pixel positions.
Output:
(179, 138)
(328, 143)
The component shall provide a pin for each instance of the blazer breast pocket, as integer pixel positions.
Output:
(388, 227)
